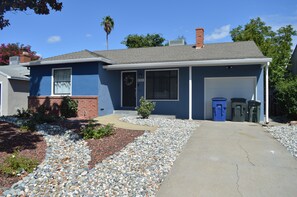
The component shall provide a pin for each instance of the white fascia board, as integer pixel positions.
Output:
(20, 78)
(40, 62)
(221, 62)
(5, 75)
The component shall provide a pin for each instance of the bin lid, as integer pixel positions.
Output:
(218, 99)
(254, 103)
(240, 100)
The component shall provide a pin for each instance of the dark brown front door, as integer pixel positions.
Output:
(129, 89)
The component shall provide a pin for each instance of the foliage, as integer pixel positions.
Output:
(38, 6)
(69, 107)
(95, 131)
(275, 44)
(146, 108)
(15, 49)
(15, 164)
(108, 24)
(286, 93)
(24, 113)
(29, 125)
(137, 41)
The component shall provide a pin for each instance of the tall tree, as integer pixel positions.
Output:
(108, 24)
(39, 7)
(275, 44)
(137, 41)
(15, 49)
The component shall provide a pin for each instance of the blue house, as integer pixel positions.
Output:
(181, 79)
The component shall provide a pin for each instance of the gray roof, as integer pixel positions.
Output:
(15, 72)
(76, 55)
(231, 50)
(218, 51)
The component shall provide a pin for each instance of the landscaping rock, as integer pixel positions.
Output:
(136, 170)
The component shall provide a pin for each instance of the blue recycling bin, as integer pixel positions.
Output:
(219, 106)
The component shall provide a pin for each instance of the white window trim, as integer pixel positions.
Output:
(52, 82)
(162, 70)
(129, 71)
(255, 88)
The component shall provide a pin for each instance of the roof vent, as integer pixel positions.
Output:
(14, 60)
(177, 42)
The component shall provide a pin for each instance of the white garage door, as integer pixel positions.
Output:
(228, 87)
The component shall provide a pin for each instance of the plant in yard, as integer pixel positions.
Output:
(145, 108)
(69, 107)
(286, 93)
(15, 164)
(29, 125)
(95, 131)
(24, 113)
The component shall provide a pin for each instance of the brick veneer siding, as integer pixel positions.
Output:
(87, 105)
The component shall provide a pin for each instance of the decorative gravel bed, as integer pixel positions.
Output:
(286, 135)
(136, 170)
(30, 145)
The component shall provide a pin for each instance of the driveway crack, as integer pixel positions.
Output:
(247, 155)
(237, 181)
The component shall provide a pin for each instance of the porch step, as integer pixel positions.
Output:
(125, 112)
(134, 113)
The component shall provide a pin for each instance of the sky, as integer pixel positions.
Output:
(77, 26)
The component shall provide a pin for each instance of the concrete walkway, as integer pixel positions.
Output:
(232, 159)
(114, 119)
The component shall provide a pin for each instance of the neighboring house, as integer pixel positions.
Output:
(294, 61)
(14, 86)
(182, 79)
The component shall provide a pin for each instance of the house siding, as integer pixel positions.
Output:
(18, 91)
(88, 79)
(4, 106)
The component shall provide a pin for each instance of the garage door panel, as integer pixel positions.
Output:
(228, 87)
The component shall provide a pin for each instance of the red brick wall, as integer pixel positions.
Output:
(199, 37)
(87, 105)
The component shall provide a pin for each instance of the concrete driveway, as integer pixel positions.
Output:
(232, 159)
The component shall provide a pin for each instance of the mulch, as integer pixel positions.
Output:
(32, 145)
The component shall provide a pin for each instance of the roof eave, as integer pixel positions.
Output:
(68, 61)
(220, 62)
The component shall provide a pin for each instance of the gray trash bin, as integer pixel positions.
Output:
(254, 111)
(238, 109)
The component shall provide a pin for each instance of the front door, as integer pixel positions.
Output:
(129, 89)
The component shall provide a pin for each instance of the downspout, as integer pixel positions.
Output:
(190, 92)
(267, 93)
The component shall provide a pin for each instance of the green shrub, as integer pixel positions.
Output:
(145, 108)
(95, 131)
(69, 107)
(15, 164)
(24, 114)
(29, 125)
(43, 115)
(286, 95)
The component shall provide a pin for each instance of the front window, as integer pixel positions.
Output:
(162, 85)
(62, 81)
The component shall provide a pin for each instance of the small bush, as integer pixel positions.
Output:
(24, 114)
(29, 125)
(69, 107)
(286, 93)
(15, 164)
(145, 108)
(95, 131)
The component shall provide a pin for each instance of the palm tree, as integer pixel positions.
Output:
(108, 25)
